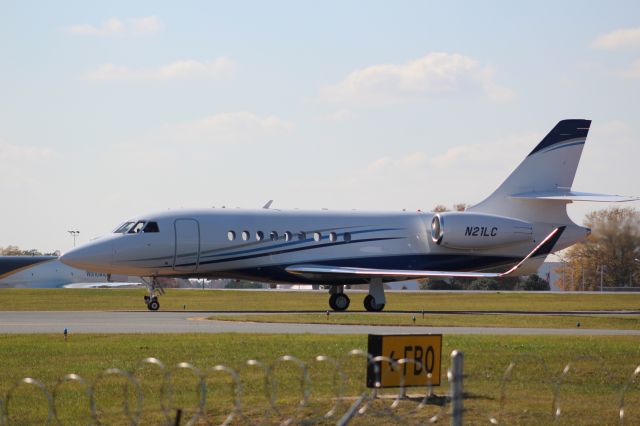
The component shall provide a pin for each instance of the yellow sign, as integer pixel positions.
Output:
(415, 360)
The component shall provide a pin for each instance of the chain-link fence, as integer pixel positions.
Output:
(323, 390)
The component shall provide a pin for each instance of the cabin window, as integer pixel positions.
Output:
(346, 237)
(333, 237)
(124, 228)
(231, 235)
(317, 236)
(302, 235)
(245, 235)
(151, 227)
(259, 235)
(287, 236)
(273, 235)
(137, 227)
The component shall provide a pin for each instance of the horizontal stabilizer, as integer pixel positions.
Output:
(315, 271)
(571, 196)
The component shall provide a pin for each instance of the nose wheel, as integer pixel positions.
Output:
(152, 303)
(155, 289)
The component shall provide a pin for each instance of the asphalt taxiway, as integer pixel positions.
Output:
(196, 322)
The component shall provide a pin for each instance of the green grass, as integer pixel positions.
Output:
(622, 322)
(590, 392)
(121, 299)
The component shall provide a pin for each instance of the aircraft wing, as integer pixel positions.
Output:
(318, 271)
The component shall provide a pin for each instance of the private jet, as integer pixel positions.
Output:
(509, 233)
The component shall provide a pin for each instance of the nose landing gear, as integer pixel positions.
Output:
(152, 303)
(155, 289)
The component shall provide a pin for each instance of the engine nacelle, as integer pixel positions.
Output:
(461, 230)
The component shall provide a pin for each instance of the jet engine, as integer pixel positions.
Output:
(478, 231)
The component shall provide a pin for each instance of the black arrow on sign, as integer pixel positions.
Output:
(393, 361)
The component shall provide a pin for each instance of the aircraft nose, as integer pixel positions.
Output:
(96, 256)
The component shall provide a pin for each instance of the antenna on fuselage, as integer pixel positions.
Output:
(266, 206)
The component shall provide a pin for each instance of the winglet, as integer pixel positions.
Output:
(266, 206)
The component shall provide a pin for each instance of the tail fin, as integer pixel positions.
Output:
(550, 169)
(539, 189)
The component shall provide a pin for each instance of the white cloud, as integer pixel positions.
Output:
(230, 145)
(340, 116)
(618, 39)
(433, 74)
(117, 27)
(182, 69)
(146, 25)
(423, 179)
(230, 127)
(632, 71)
(11, 153)
(24, 167)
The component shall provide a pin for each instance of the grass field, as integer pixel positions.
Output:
(620, 322)
(207, 300)
(590, 392)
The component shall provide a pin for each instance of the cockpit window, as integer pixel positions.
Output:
(137, 227)
(151, 227)
(124, 228)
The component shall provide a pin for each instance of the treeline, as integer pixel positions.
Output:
(610, 256)
(530, 283)
(17, 251)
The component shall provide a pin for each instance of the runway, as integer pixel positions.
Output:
(194, 322)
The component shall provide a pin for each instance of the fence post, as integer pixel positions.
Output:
(455, 377)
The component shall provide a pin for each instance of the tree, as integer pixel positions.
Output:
(533, 283)
(437, 284)
(484, 284)
(17, 251)
(458, 207)
(609, 252)
(440, 208)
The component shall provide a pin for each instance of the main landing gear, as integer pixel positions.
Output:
(373, 302)
(155, 290)
(338, 301)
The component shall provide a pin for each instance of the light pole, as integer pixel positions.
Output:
(74, 234)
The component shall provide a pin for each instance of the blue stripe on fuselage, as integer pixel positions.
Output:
(291, 243)
(273, 253)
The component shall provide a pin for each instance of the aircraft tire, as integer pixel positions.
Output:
(153, 305)
(371, 305)
(339, 302)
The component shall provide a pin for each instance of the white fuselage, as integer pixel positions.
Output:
(260, 244)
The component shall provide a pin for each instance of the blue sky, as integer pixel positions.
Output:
(111, 109)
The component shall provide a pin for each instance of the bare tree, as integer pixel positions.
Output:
(609, 253)
(460, 207)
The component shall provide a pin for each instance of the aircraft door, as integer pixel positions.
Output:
(187, 250)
